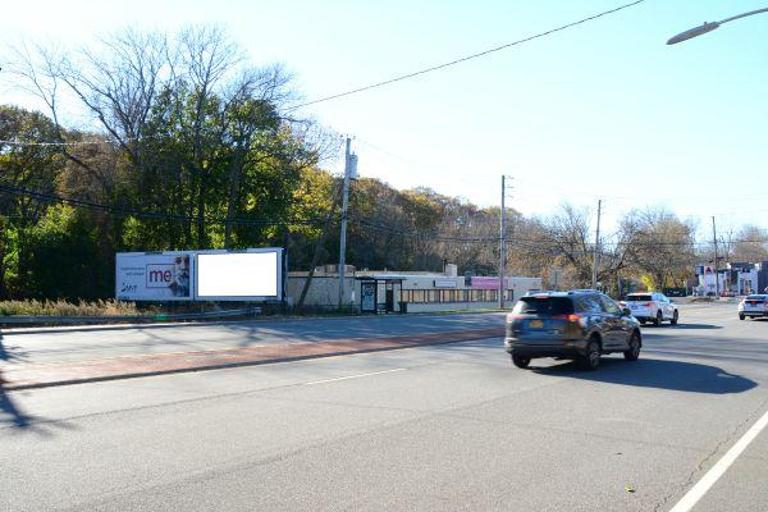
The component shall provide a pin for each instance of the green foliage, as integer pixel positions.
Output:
(59, 257)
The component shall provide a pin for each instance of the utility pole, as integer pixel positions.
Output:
(502, 240)
(596, 254)
(717, 273)
(348, 168)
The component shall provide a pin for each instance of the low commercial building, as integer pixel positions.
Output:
(737, 278)
(402, 291)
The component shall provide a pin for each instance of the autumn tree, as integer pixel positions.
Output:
(660, 246)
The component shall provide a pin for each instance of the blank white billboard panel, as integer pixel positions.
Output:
(239, 276)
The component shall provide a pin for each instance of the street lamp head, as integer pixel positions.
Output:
(696, 31)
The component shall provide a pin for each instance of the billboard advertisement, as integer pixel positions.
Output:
(159, 276)
(254, 274)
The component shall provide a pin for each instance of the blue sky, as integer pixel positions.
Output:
(605, 110)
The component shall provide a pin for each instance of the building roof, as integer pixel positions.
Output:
(383, 277)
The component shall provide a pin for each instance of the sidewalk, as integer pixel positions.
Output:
(22, 373)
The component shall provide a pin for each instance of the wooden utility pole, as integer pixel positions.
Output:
(596, 254)
(717, 273)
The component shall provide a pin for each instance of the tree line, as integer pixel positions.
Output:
(184, 144)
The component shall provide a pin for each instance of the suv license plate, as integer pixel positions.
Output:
(536, 324)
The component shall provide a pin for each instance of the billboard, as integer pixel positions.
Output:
(157, 276)
(254, 274)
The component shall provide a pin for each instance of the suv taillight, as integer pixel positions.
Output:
(573, 317)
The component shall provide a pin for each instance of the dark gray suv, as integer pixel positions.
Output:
(580, 324)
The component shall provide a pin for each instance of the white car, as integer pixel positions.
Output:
(652, 307)
(753, 306)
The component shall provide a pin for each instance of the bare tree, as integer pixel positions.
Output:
(660, 245)
(567, 238)
(750, 244)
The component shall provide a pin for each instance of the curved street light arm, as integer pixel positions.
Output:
(709, 27)
(750, 13)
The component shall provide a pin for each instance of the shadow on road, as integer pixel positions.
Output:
(696, 326)
(10, 413)
(683, 326)
(656, 373)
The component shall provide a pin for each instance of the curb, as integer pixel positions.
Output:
(184, 362)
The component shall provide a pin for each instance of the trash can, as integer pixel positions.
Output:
(403, 307)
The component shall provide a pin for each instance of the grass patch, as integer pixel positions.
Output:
(65, 308)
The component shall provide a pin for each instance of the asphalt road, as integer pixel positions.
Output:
(449, 427)
(84, 343)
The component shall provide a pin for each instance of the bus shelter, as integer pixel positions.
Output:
(379, 293)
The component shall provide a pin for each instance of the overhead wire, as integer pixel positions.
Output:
(466, 58)
(432, 235)
(50, 197)
(532, 242)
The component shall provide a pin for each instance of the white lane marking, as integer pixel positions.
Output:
(714, 474)
(353, 376)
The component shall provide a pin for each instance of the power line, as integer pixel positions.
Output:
(535, 243)
(46, 197)
(57, 144)
(432, 235)
(529, 185)
(466, 58)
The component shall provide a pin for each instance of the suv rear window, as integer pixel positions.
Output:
(545, 306)
(639, 298)
(759, 298)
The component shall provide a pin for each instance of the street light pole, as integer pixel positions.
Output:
(709, 27)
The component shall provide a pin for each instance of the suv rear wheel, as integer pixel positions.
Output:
(659, 318)
(634, 348)
(675, 316)
(520, 361)
(591, 360)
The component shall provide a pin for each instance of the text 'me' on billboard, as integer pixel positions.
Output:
(252, 275)
(162, 276)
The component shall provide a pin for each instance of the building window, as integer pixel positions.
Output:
(433, 296)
